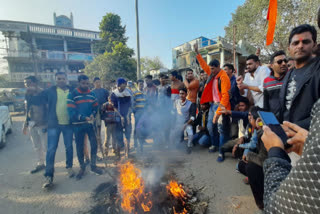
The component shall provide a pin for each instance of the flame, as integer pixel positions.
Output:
(178, 192)
(183, 212)
(176, 189)
(132, 189)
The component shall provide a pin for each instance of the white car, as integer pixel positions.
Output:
(5, 124)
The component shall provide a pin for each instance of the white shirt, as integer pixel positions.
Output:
(259, 75)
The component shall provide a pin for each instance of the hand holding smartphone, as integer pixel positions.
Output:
(270, 120)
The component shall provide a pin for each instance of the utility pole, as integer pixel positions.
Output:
(34, 60)
(234, 49)
(138, 43)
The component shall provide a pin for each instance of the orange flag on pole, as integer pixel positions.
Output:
(272, 18)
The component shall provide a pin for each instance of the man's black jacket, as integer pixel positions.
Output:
(307, 93)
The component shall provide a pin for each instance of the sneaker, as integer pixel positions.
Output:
(189, 150)
(48, 183)
(213, 149)
(70, 172)
(220, 158)
(97, 170)
(38, 168)
(80, 174)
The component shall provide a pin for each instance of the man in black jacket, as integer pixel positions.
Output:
(290, 189)
(202, 137)
(301, 87)
(58, 122)
(36, 121)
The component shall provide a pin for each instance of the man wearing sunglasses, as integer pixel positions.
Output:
(272, 84)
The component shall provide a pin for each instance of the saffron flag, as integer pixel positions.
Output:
(272, 18)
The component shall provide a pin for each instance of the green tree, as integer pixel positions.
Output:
(114, 59)
(148, 64)
(4, 78)
(111, 65)
(110, 30)
(250, 21)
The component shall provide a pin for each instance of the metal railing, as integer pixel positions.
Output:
(60, 55)
(7, 25)
(46, 29)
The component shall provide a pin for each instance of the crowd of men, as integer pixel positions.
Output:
(219, 111)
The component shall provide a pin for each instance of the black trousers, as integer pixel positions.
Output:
(256, 180)
(228, 146)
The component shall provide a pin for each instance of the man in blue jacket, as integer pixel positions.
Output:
(82, 108)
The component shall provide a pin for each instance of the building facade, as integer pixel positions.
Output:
(43, 50)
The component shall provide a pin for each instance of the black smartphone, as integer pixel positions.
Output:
(270, 120)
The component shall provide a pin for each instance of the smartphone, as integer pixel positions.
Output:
(270, 120)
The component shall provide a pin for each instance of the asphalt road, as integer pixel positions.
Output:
(21, 192)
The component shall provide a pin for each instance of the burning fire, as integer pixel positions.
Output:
(178, 192)
(132, 190)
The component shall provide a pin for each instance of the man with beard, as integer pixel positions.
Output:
(192, 85)
(82, 108)
(272, 84)
(301, 87)
(58, 121)
(253, 80)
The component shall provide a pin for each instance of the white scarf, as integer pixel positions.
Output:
(125, 93)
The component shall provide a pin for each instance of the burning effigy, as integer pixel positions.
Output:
(131, 195)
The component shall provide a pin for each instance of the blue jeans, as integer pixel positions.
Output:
(53, 140)
(79, 134)
(202, 138)
(220, 131)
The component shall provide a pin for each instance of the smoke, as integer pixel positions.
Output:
(158, 122)
(153, 175)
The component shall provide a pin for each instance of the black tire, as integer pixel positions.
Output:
(10, 130)
(2, 138)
